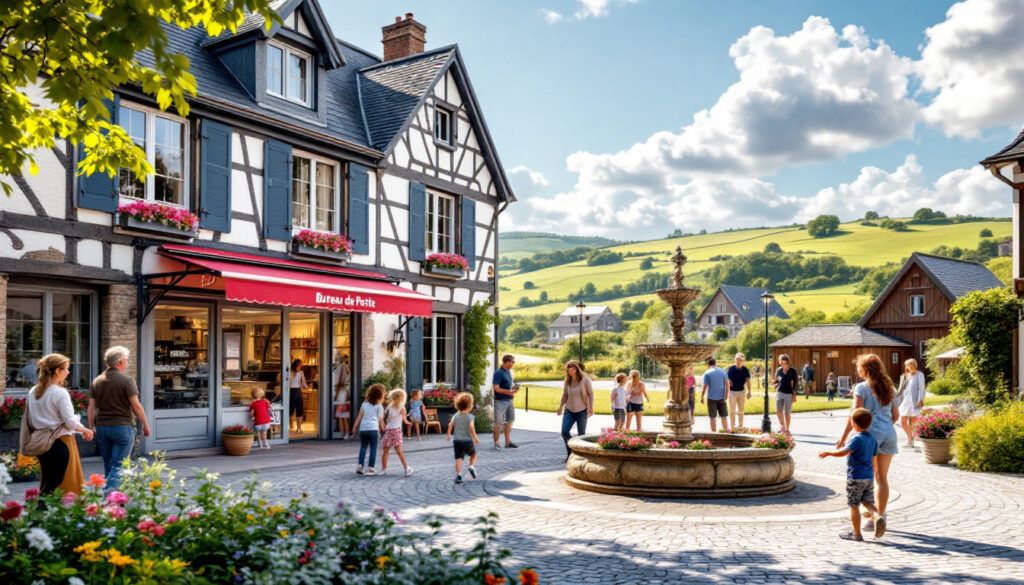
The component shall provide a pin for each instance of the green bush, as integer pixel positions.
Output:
(392, 376)
(983, 323)
(944, 387)
(993, 441)
(482, 420)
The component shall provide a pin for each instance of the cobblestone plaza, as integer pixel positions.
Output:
(945, 525)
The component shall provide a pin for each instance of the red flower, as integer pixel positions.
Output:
(12, 509)
(31, 494)
(492, 580)
(528, 577)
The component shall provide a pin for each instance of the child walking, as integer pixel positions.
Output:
(859, 452)
(416, 414)
(394, 416)
(619, 401)
(370, 423)
(342, 408)
(830, 386)
(462, 434)
(259, 411)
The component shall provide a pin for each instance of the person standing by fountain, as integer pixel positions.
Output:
(785, 392)
(619, 401)
(577, 403)
(739, 376)
(691, 385)
(715, 394)
(877, 394)
(637, 396)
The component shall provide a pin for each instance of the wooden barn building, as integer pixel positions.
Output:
(912, 309)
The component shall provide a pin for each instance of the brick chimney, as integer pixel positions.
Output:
(403, 38)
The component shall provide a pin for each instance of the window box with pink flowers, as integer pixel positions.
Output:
(321, 246)
(156, 219)
(446, 266)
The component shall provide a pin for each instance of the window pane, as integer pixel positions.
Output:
(430, 221)
(444, 224)
(325, 199)
(169, 164)
(181, 366)
(428, 350)
(300, 193)
(71, 335)
(134, 124)
(297, 76)
(248, 338)
(275, 68)
(24, 337)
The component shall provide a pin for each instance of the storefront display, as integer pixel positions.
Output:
(46, 321)
(181, 365)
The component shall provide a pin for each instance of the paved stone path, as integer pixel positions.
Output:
(945, 525)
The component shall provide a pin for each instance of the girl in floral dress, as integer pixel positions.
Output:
(394, 417)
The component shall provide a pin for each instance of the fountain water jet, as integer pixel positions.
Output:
(733, 468)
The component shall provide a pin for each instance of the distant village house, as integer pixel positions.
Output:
(596, 318)
(732, 307)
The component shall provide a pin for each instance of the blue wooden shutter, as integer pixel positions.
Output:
(469, 231)
(359, 208)
(215, 176)
(277, 190)
(99, 190)
(417, 221)
(414, 354)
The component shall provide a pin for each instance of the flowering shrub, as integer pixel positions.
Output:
(238, 430)
(323, 241)
(741, 431)
(774, 441)
(441, 395)
(159, 530)
(623, 441)
(938, 424)
(175, 217)
(11, 411)
(704, 445)
(20, 467)
(453, 261)
(79, 400)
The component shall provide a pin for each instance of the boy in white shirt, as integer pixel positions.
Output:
(619, 401)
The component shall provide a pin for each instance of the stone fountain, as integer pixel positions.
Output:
(732, 468)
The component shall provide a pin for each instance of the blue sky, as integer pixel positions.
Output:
(833, 99)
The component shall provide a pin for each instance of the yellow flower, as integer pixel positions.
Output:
(284, 533)
(312, 532)
(115, 557)
(381, 561)
(250, 517)
(274, 510)
(155, 484)
(88, 551)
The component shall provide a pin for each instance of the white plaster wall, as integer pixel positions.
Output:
(94, 217)
(244, 233)
(48, 185)
(383, 328)
(121, 258)
(390, 255)
(400, 156)
(461, 296)
(240, 200)
(397, 189)
(90, 253)
(33, 242)
(255, 148)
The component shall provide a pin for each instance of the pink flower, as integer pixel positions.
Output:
(172, 519)
(116, 512)
(195, 513)
(92, 509)
(31, 494)
(69, 499)
(117, 498)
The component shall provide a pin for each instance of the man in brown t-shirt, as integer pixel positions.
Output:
(113, 406)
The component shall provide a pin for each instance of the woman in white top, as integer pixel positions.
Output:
(48, 407)
(912, 390)
(296, 384)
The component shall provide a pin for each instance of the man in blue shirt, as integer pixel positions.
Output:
(504, 389)
(715, 392)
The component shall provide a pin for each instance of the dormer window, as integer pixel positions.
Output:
(288, 74)
(443, 129)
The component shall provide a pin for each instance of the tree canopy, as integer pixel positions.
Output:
(823, 226)
(60, 60)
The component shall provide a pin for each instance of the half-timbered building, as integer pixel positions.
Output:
(292, 131)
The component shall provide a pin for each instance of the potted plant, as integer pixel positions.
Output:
(20, 467)
(156, 219)
(934, 428)
(446, 265)
(441, 397)
(237, 439)
(321, 245)
(11, 410)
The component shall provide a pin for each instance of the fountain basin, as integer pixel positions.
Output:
(733, 469)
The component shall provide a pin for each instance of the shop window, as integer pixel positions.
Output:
(43, 322)
(440, 222)
(341, 369)
(181, 354)
(439, 343)
(314, 194)
(164, 139)
(246, 363)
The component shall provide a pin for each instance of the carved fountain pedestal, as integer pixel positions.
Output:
(733, 468)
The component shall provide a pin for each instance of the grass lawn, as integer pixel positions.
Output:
(546, 399)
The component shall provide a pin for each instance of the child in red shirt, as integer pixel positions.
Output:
(259, 410)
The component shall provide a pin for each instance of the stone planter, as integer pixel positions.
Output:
(306, 253)
(936, 450)
(238, 444)
(443, 272)
(126, 223)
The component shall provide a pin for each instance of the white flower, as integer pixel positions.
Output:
(5, 479)
(39, 539)
(75, 581)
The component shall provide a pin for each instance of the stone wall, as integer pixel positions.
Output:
(3, 332)
(366, 347)
(118, 325)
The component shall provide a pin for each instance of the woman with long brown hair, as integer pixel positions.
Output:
(577, 403)
(49, 407)
(877, 394)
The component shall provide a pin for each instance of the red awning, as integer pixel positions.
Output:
(249, 278)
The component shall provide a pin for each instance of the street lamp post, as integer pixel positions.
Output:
(579, 307)
(766, 423)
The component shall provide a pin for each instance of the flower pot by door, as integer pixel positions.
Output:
(238, 444)
(936, 450)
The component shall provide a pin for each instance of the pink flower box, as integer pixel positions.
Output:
(322, 245)
(157, 218)
(446, 265)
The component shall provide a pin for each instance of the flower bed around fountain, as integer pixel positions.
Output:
(732, 469)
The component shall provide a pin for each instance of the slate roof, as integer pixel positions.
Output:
(1012, 151)
(955, 278)
(393, 91)
(838, 335)
(751, 297)
(565, 319)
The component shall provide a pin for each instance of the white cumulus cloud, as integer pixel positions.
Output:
(550, 16)
(974, 62)
(536, 179)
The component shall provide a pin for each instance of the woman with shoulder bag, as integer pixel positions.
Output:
(50, 417)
